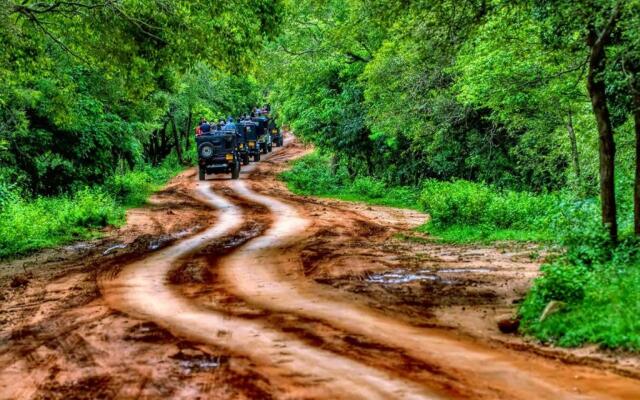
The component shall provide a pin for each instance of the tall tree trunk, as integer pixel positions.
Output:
(153, 148)
(176, 139)
(165, 146)
(607, 150)
(634, 68)
(636, 186)
(187, 131)
(335, 162)
(574, 145)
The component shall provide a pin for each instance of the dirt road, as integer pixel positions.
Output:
(239, 289)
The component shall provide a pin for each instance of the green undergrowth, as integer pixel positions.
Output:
(596, 298)
(311, 175)
(594, 286)
(27, 225)
(460, 211)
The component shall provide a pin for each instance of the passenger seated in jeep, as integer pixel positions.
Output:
(205, 128)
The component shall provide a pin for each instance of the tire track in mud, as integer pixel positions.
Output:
(255, 272)
(141, 290)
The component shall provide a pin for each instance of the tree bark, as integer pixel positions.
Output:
(636, 186)
(187, 131)
(597, 93)
(574, 145)
(334, 164)
(176, 139)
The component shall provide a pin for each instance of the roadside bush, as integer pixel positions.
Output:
(455, 203)
(601, 305)
(30, 225)
(7, 194)
(131, 188)
(470, 211)
(312, 175)
(368, 187)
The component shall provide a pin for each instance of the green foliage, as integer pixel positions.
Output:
(602, 304)
(88, 86)
(30, 225)
(132, 188)
(27, 225)
(368, 187)
(312, 175)
(464, 211)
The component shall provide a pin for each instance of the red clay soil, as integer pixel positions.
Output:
(240, 289)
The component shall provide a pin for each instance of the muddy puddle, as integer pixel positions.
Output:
(465, 270)
(193, 361)
(113, 248)
(401, 276)
(165, 240)
(405, 276)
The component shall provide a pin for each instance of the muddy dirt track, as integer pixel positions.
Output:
(239, 289)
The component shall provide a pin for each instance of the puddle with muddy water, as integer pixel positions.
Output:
(195, 361)
(164, 240)
(464, 271)
(113, 248)
(400, 276)
(403, 276)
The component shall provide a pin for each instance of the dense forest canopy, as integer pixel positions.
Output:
(509, 93)
(526, 95)
(88, 86)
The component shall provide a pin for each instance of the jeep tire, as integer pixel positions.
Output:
(201, 173)
(245, 159)
(235, 172)
(256, 157)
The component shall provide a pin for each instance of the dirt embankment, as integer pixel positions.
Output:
(239, 289)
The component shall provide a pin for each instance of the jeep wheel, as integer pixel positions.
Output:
(256, 157)
(270, 148)
(281, 142)
(235, 172)
(264, 149)
(245, 159)
(201, 174)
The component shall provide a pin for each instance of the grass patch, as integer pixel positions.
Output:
(461, 234)
(311, 175)
(600, 303)
(27, 225)
(461, 211)
(468, 212)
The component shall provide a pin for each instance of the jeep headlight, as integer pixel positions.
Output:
(229, 157)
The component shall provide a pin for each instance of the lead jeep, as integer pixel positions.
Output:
(218, 154)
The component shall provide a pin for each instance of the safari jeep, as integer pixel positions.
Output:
(264, 134)
(249, 132)
(243, 146)
(276, 134)
(217, 154)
